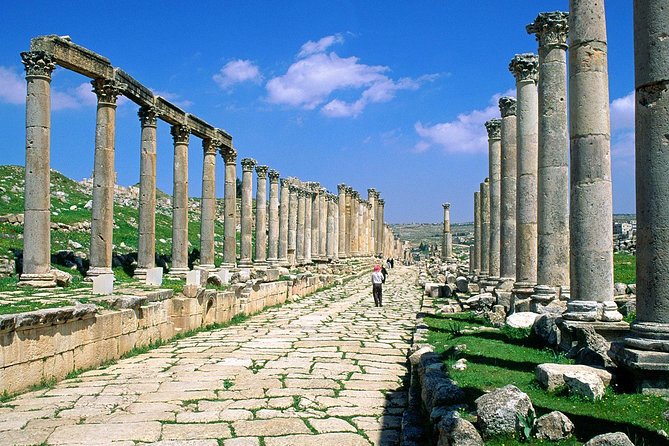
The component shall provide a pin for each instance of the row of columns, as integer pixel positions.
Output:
(300, 224)
(522, 210)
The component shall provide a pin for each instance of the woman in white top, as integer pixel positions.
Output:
(377, 283)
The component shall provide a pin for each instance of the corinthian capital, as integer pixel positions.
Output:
(261, 171)
(180, 133)
(494, 128)
(550, 28)
(209, 145)
(341, 188)
(273, 176)
(247, 164)
(507, 106)
(229, 155)
(525, 67)
(38, 63)
(148, 116)
(107, 90)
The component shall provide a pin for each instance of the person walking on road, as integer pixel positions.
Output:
(377, 286)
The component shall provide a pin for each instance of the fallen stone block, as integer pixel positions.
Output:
(551, 376)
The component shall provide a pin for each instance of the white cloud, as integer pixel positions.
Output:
(312, 47)
(316, 76)
(622, 112)
(465, 134)
(12, 86)
(236, 72)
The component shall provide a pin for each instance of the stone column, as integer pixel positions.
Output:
(494, 129)
(446, 237)
(274, 224)
(591, 206)
(647, 352)
(355, 223)
(381, 225)
(341, 207)
(472, 250)
(146, 245)
(315, 221)
(308, 208)
(208, 204)
(260, 258)
(230, 221)
(102, 225)
(37, 204)
(330, 234)
(247, 213)
(370, 230)
(180, 135)
(553, 172)
(293, 220)
(284, 212)
(485, 229)
(525, 68)
(301, 209)
(477, 233)
(371, 197)
(322, 235)
(335, 236)
(349, 221)
(507, 253)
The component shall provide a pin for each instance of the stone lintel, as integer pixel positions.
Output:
(74, 57)
(134, 90)
(170, 112)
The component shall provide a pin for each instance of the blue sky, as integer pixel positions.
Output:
(391, 95)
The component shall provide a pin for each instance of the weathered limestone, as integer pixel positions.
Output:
(331, 235)
(308, 207)
(230, 198)
(646, 350)
(372, 196)
(299, 243)
(274, 223)
(494, 128)
(355, 224)
(146, 253)
(380, 224)
(341, 211)
(315, 221)
(446, 237)
(284, 213)
(485, 229)
(477, 233)
(335, 237)
(260, 258)
(102, 224)
(507, 108)
(180, 135)
(246, 213)
(525, 69)
(293, 219)
(591, 209)
(208, 204)
(37, 210)
(349, 221)
(323, 220)
(553, 164)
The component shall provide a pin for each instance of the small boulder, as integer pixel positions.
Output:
(460, 364)
(591, 348)
(214, 279)
(498, 411)
(553, 426)
(451, 278)
(522, 319)
(462, 284)
(619, 288)
(456, 431)
(551, 376)
(610, 439)
(63, 278)
(546, 329)
(631, 288)
(497, 315)
(587, 385)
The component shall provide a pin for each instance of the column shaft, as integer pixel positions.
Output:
(323, 220)
(274, 219)
(230, 221)
(146, 252)
(102, 225)
(299, 244)
(284, 213)
(247, 213)
(260, 258)
(507, 253)
(208, 204)
(180, 135)
(315, 222)
(293, 221)
(495, 166)
(37, 204)
(477, 233)
(485, 229)
(341, 208)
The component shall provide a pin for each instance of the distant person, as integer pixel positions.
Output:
(377, 285)
(384, 272)
(392, 263)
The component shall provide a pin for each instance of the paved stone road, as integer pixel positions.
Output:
(326, 370)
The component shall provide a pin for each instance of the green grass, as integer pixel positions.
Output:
(500, 357)
(624, 268)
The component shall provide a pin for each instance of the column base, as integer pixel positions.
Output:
(97, 271)
(646, 371)
(245, 264)
(209, 267)
(592, 311)
(542, 297)
(273, 261)
(227, 265)
(284, 263)
(521, 296)
(47, 280)
(178, 272)
(140, 274)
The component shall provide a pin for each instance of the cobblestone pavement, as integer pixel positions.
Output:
(327, 370)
